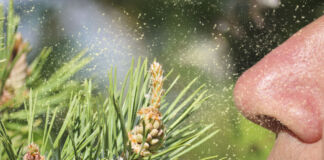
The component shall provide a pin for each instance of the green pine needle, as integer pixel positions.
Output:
(69, 121)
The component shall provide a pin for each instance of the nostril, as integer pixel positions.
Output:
(269, 122)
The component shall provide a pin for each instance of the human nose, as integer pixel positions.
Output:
(282, 92)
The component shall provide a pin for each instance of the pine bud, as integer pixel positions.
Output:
(154, 141)
(151, 118)
(154, 132)
(139, 138)
(156, 124)
(146, 145)
(33, 153)
(139, 129)
(149, 137)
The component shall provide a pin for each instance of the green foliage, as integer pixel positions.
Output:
(255, 142)
(94, 126)
(54, 91)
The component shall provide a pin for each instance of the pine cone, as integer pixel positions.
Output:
(151, 118)
(154, 139)
(19, 72)
(33, 153)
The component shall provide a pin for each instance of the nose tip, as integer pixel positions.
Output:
(245, 93)
(246, 100)
(273, 96)
(241, 92)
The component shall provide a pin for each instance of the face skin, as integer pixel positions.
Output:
(284, 92)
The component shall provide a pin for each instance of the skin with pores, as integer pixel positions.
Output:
(284, 92)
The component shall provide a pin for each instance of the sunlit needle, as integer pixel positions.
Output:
(2, 60)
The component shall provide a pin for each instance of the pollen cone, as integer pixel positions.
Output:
(33, 153)
(19, 72)
(148, 136)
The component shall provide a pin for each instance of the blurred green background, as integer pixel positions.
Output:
(215, 40)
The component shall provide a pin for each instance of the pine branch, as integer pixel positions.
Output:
(17, 79)
(97, 127)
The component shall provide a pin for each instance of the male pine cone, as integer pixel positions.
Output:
(19, 72)
(148, 136)
(33, 153)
